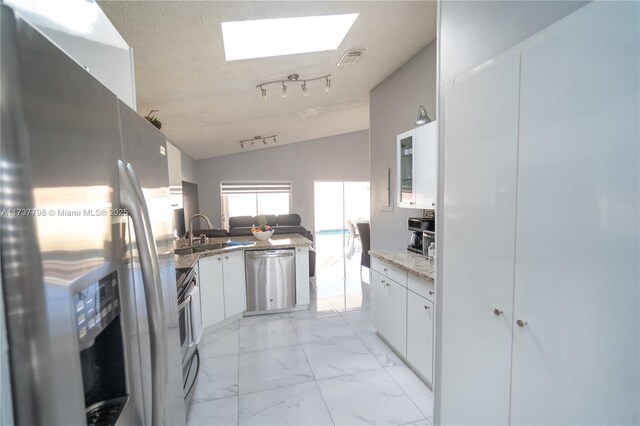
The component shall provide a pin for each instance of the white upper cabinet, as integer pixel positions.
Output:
(417, 167)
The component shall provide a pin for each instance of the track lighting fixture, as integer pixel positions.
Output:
(265, 140)
(294, 78)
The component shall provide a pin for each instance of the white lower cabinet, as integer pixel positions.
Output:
(396, 307)
(222, 287)
(302, 275)
(235, 289)
(420, 334)
(211, 290)
(403, 317)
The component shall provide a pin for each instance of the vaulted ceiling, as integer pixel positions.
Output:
(207, 105)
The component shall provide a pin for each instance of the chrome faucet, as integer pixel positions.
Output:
(191, 236)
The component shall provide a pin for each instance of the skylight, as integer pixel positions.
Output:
(286, 36)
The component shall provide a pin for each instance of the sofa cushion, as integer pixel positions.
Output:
(272, 219)
(292, 219)
(241, 231)
(210, 233)
(238, 221)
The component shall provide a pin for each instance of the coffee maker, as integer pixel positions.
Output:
(418, 225)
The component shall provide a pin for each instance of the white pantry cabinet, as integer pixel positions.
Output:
(417, 167)
(235, 289)
(542, 190)
(211, 290)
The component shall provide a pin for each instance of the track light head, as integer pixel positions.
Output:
(284, 90)
(263, 93)
(327, 87)
(305, 92)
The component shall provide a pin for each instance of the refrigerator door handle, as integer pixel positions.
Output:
(132, 200)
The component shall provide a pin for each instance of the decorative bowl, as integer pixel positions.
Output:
(263, 235)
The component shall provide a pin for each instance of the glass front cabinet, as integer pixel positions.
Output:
(416, 182)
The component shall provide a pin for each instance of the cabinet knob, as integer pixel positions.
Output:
(219, 259)
(411, 203)
(385, 269)
(226, 257)
(431, 292)
(426, 307)
(521, 322)
(497, 312)
(383, 281)
(433, 204)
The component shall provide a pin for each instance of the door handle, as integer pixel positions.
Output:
(132, 199)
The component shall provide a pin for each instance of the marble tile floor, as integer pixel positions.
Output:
(319, 367)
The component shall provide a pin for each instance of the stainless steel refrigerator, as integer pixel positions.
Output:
(88, 277)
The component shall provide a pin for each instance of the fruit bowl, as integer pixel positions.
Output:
(263, 235)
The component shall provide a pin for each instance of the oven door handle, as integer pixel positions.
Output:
(132, 199)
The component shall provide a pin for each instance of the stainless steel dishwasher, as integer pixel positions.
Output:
(271, 280)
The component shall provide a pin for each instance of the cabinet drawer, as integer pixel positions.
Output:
(389, 271)
(422, 286)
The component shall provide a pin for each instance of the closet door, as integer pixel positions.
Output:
(479, 234)
(577, 276)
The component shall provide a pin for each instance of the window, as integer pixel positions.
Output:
(253, 198)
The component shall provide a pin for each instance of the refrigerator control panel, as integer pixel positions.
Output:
(96, 305)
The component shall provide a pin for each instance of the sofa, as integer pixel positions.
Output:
(281, 224)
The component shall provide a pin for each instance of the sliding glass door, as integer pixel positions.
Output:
(339, 207)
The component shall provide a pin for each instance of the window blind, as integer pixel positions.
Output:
(254, 187)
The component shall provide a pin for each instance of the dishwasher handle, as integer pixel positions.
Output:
(269, 254)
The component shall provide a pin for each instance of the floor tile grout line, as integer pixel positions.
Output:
(314, 377)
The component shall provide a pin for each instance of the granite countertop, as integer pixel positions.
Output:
(281, 241)
(413, 263)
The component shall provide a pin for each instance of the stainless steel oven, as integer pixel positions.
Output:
(190, 321)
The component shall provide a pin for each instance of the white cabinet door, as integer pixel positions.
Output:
(480, 175)
(235, 290)
(211, 290)
(396, 316)
(378, 302)
(302, 275)
(576, 361)
(426, 165)
(406, 166)
(420, 334)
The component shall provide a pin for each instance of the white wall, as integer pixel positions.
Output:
(469, 33)
(338, 158)
(394, 110)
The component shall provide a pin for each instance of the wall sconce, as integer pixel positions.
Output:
(255, 139)
(293, 79)
(423, 118)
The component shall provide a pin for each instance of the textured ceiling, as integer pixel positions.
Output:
(207, 105)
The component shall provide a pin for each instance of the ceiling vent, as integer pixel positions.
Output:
(350, 57)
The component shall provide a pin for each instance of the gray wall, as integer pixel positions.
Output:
(188, 167)
(337, 158)
(394, 110)
(469, 33)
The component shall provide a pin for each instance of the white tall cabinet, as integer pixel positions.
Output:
(540, 303)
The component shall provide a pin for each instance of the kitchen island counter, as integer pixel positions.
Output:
(282, 241)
